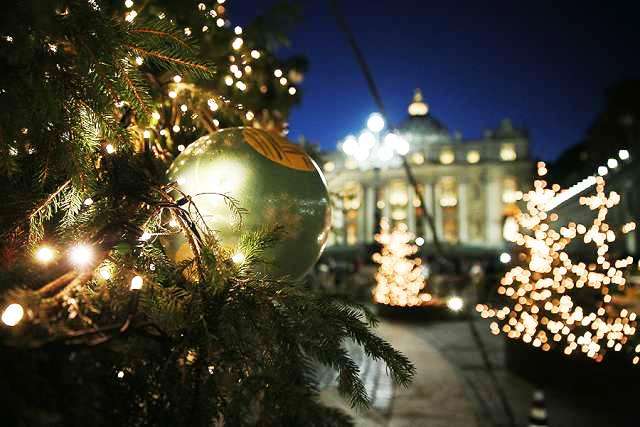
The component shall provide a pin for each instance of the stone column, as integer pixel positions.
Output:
(370, 212)
(428, 200)
(493, 212)
(463, 217)
(437, 210)
(411, 210)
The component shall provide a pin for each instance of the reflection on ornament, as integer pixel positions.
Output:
(276, 182)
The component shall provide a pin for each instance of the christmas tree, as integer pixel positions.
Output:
(553, 300)
(400, 277)
(98, 322)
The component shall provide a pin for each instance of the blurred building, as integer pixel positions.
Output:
(469, 185)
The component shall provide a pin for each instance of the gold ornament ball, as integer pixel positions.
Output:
(272, 179)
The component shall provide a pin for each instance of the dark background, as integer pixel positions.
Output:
(544, 64)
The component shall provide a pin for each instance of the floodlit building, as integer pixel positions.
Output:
(470, 186)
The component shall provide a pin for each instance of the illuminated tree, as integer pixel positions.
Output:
(98, 323)
(399, 279)
(553, 300)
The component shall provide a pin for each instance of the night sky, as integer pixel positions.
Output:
(544, 64)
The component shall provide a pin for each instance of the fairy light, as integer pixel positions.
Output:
(249, 115)
(128, 4)
(187, 31)
(136, 283)
(81, 255)
(455, 303)
(146, 134)
(139, 60)
(237, 30)
(173, 94)
(105, 272)
(237, 43)
(131, 16)
(110, 149)
(277, 72)
(241, 85)
(623, 154)
(228, 80)
(184, 108)
(145, 236)
(283, 81)
(255, 54)
(88, 201)
(292, 90)
(176, 128)
(213, 105)
(12, 314)
(238, 257)
(399, 279)
(202, 7)
(181, 148)
(612, 163)
(177, 78)
(542, 310)
(220, 22)
(45, 254)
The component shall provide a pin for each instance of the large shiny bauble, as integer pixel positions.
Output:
(272, 179)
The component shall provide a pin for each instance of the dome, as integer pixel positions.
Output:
(421, 126)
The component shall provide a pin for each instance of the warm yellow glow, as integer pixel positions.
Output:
(473, 156)
(238, 257)
(277, 72)
(417, 158)
(105, 272)
(139, 60)
(173, 94)
(237, 43)
(228, 80)
(136, 283)
(447, 157)
(255, 54)
(81, 255)
(455, 303)
(400, 278)
(177, 78)
(292, 90)
(110, 149)
(13, 314)
(45, 254)
(418, 107)
(508, 152)
(329, 167)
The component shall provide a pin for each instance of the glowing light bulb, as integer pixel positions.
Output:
(292, 90)
(220, 22)
(237, 43)
(146, 134)
(277, 72)
(176, 128)
(419, 241)
(173, 94)
(238, 257)
(240, 85)
(105, 272)
(181, 148)
(455, 303)
(128, 4)
(237, 30)
(283, 81)
(88, 201)
(177, 78)
(136, 283)
(249, 115)
(228, 80)
(612, 163)
(623, 154)
(139, 60)
(145, 236)
(13, 314)
(602, 170)
(184, 108)
(255, 54)
(155, 115)
(45, 254)
(505, 258)
(375, 122)
(213, 106)
(81, 255)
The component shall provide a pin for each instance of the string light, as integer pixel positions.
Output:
(237, 43)
(237, 30)
(220, 22)
(139, 60)
(542, 310)
(136, 283)
(455, 303)
(81, 255)
(128, 4)
(277, 72)
(88, 201)
(173, 94)
(213, 106)
(184, 108)
(45, 254)
(292, 90)
(105, 272)
(399, 279)
(13, 314)
(181, 148)
(238, 257)
(110, 149)
(177, 78)
(623, 154)
(240, 85)
(255, 54)
(228, 80)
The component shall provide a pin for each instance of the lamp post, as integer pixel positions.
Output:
(375, 149)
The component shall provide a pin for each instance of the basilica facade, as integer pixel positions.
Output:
(470, 187)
